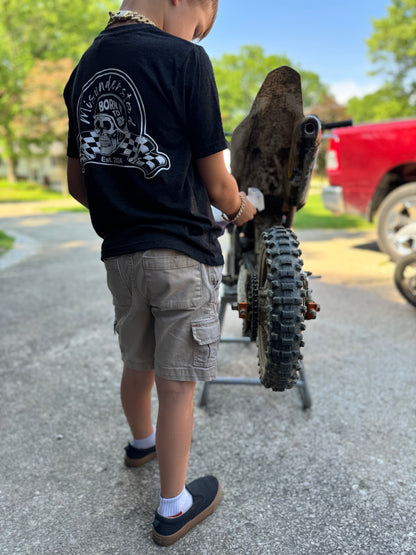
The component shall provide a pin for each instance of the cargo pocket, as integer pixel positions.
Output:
(206, 334)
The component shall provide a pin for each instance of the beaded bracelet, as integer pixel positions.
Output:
(240, 211)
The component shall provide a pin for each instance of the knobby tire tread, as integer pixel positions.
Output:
(282, 309)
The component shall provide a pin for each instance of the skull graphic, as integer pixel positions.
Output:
(110, 123)
(108, 134)
(112, 126)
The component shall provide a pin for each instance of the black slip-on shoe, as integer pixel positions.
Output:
(206, 495)
(137, 457)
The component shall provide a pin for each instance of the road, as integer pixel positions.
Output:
(338, 478)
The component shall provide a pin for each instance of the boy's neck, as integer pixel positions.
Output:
(153, 9)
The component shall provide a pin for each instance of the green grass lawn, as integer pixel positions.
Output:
(24, 191)
(314, 216)
(6, 242)
(75, 207)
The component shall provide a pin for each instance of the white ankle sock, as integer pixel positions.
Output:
(175, 506)
(146, 442)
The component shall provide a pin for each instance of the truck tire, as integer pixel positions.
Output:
(405, 277)
(281, 308)
(396, 211)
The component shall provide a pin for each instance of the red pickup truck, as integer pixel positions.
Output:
(372, 170)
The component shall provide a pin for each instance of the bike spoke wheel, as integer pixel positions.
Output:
(281, 308)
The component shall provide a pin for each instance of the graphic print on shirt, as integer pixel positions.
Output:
(112, 125)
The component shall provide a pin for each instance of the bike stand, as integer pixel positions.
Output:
(228, 297)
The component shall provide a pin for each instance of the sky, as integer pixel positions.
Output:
(324, 36)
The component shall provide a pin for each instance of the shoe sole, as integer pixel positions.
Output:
(169, 540)
(138, 462)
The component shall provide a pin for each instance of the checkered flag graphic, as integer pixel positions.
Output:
(138, 150)
(142, 151)
(89, 147)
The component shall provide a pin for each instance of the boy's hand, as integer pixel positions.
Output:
(248, 212)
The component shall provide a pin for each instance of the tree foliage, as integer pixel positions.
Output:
(43, 117)
(392, 45)
(32, 31)
(387, 103)
(392, 50)
(239, 77)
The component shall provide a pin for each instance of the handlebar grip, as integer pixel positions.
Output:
(336, 124)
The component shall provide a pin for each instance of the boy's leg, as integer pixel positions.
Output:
(174, 433)
(183, 294)
(181, 508)
(135, 392)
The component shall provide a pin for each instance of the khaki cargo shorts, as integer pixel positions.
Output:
(166, 313)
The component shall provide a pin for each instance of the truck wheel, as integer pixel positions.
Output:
(396, 212)
(281, 308)
(405, 277)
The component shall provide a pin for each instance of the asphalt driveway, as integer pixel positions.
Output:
(338, 478)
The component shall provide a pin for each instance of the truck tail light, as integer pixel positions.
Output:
(332, 157)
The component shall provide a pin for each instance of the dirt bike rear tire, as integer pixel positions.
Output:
(282, 309)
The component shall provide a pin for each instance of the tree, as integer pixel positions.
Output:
(386, 103)
(392, 48)
(32, 31)
(43, 118)
(392, 44)
(239, 77)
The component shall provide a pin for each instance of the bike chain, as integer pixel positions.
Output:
(251, 323)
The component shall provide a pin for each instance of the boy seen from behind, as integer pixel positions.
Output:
(145, 155)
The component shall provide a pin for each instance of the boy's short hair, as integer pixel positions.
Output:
(214, 6)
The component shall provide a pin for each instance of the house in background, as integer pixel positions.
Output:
(48, 170)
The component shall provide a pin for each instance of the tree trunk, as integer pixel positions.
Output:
(8, 154)
(11, 166)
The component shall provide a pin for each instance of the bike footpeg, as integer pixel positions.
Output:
(242, 310)
(312, 310)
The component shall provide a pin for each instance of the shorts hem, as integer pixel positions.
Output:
(187, 374)
(139, 366)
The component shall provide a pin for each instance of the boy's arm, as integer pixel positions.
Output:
(76, 185)
(223, 189)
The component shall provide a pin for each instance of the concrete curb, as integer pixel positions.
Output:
(23, 247)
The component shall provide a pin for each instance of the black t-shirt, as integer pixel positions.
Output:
(143, 106)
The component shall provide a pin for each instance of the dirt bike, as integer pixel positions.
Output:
(273, 150)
